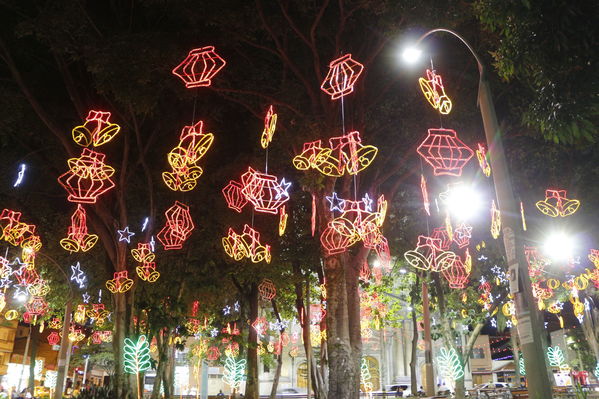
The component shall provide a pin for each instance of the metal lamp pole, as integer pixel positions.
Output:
(530, 325)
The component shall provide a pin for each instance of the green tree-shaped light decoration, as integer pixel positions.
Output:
(234, 372)
(365, 376)
(137, 357)
(596, 372)
(555, 356)
(521, 365)
(450, 366)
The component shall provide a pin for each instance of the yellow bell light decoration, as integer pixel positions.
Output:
(75, 334)
(79, 314)
(557, 204)
(495, 221)
(428, 256)
(270, 125)
(183, 159)
(594, 257)
(120, 284)
(11, 315)
(96, 131)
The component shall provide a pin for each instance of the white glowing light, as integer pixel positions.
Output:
(462, 201)
(559, 246)
(411, 54)
(20, 175)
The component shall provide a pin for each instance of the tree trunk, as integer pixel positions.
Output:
(121, 386)
(413, 358)
(516, 352)
(343, 380)
(352, 271)
(161, 343)
(32, 354)
(275, 381)
(252, 385)
(460, 390)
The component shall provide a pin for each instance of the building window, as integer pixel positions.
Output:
(477, 353)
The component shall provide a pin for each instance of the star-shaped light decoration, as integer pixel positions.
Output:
(337, 204)
(493, 323)
(283, 190)
(496, 269)
(125, 235)
(86, 297)
(508, 324)
(227, 310)
(482, 257)
(367, 202)
(5, 282)
(236, 306)
(20, 292)
(214, 332)
(78, 276)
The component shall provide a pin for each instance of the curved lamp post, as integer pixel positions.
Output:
(530, 328)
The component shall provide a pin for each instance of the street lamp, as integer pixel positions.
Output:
(559, 246)
(462, 201)
(529, 321)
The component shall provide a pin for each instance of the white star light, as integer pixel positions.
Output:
(78, 276)
(508, 324)
(236, 306)
(86, 297)
(494, 322)
(125, 235)
(214, 332)
(227, 310)
(5, 282)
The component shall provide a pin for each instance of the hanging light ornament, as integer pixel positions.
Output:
(313, 217)
(267, 290)
(594, 257)
(522, 216)
(425, 201)
(53, 338)
(199, 67)
(99, 313)
(246, 245)
(456, 274)
(483, 159)
(16, 232)
(343, 74)
(88, 177)
(143, 253)
(556, 203)
(434, 92)
(183, 159)
(445, 152)
(428, 256)
(270, 124)
(96, 131)
(441, 234)
(345, 154)
(263, 191)
(495, 221)
(147, 272)
(282, 220)
(462, 235)
(178, 227)
(120, 283)
(78, 239)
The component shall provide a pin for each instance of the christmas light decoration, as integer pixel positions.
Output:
(260, 325)
(121, 283)
(11, 315)
(50, 380)
(178, 227)
(97, 129)
(536, 264)
(20, 175)
(86, 297)
(557, 204)
(495, 221)
(450, 366)
(263, 191)
(521, 366)
(434, 92)
(38, 288)
(143, 253)
(78, 238)
(147, 272)
(596, 371)
(336, 203)
(199, 67)
(14, 231)
(425, 201)
(282, 220)
(440, 234)
(125, 235)
(267, 290)
(234, 372)
(77, 275)
(246, 245)
(343, 74)
(99, 313)
(53, 338)
(26, 276)
(55, 323)
(522, 216)
(79, 314)
(445, 152)
(88, 177)
(270, 124)
(37, 306)
(594, 257)
(462, 235)
(213, 353)
(365, 376)
(428, 256)
(483, 159)
(75, 334)
(456, 274)
(313, 217)
(556, 356)
(311, 152)
(183, 159)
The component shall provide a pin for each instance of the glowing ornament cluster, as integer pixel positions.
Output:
(183, 159)
(434, 92)
(445, 152)
(483, 160)
(270, 125)
(267, 290)
(88, 177)
(428, 255)
(178, 227)
(345, 154)
(262, 190)
(342, 76)
(246, 245)
(556, 203)
(147, 268)
(199, 67)
(234, 372)
(96, 131)
(78, 239)
(120, 283)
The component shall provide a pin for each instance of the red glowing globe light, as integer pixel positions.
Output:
(445, 152)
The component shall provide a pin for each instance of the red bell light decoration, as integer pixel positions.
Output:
(14, 231)
(178, 227)
(343, 74)
(53, 338)
(78, 238)
(445, 152)
(88, 177)
(199, 67)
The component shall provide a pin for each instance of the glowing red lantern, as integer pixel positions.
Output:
(37, 306)
(178, 227)
(97, 337)
(213, 353)
(53, 338)
(26, 276)
(365, 272)
(199, 67)
(264, 191)
(456, 274)
(444, 242)
(260, 325)
(267, 290)
(78, 238)
(343, 74)
(445, 152)
(234, 197)
(88, 177)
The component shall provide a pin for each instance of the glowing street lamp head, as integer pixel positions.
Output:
(411, 55)
(463, 201)
(559, 246)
